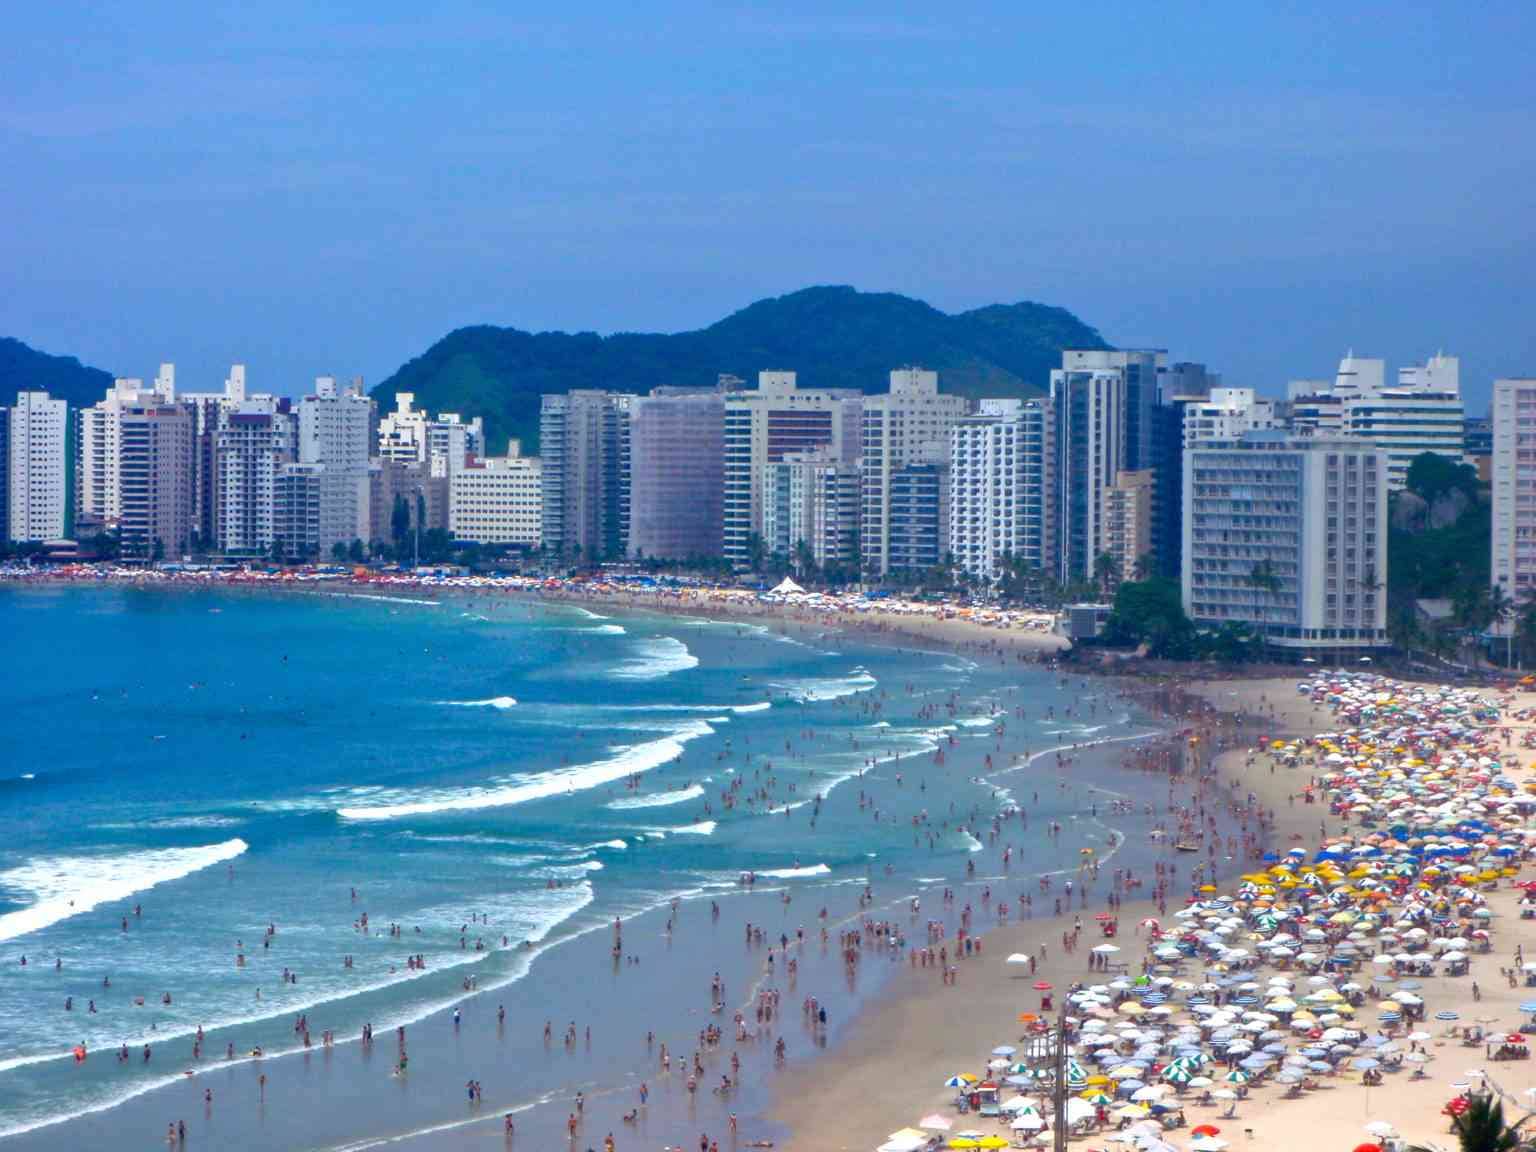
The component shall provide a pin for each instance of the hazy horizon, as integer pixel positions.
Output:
(312, 194)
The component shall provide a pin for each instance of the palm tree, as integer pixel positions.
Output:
(1500, 609)
(1266, 579)
(1106, 571)
(1145, 567)
(1481, 1128)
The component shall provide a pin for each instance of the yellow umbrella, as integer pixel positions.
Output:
(962, 1142)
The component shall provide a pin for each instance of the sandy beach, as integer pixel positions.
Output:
(893, 1066)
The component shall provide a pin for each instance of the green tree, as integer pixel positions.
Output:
(1151, 612)
(1106, 572)
(338, 552)
(400, 520)
(356, 552)
(757, 552)
(1145, 567)
(1431, 476)
(277, 550)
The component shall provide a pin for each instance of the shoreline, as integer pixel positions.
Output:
(851, 1087)
(871, 1084)
(223, 1075)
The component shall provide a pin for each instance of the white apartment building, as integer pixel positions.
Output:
(766, 425)
(1226, 414)
(1001, 487)
(812, 499)
(98, 444)
(444, 443)
(255, 440)
(1513, 567)
(335, 427)
(907, 426)
(1423, 412)
(37, 480)
(1288, 535)
(497, 500)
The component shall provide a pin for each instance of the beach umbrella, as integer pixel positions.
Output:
(960, 1080)
(1017, 958)
(935, 1123)
(1004, 1050)
(1028, 1122)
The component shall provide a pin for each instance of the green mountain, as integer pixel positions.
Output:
(833, 337)
(25, 369)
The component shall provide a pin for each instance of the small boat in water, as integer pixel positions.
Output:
(1186, 846)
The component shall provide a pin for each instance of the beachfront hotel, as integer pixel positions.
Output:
(677, 459)
(1088, 403)
(1289, 536)
(1513, 471)
(584, 438)
(909, 425)
(764, 425)
(497, 500)
(1001, 495)
(154, 485)
(37, 473)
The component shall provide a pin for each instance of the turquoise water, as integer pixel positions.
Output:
(227, 761)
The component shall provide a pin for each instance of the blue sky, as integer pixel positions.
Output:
(329, 189)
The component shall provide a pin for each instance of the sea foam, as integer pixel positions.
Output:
(812, 691)
(65, 886)
(499, 702)
(657, 656)
(580, 778)
(658, 799)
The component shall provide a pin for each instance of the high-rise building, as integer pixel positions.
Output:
(497, 500)
(765, 425)
(1180, 386)
(677, 475)
(154, 481)
(906, 426)
(98, 502)
(1089, 404)
(1513, 556)
(1001, 488)
(37, 473)
(1127, 518)
(918, 514)
(336, 430)
(255, 439)
(811, 508)
(5, 473)
(1142, 372)
(1422, 413)
(207, 409)
(584, 446)
(297, 499)
(1288, 535)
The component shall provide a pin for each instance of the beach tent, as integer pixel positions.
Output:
(786, 587)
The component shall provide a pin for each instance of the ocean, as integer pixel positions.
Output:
(203, 790)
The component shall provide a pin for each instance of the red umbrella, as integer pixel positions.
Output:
(1042, 985)
(1205, 1130)
(1367, 1148)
